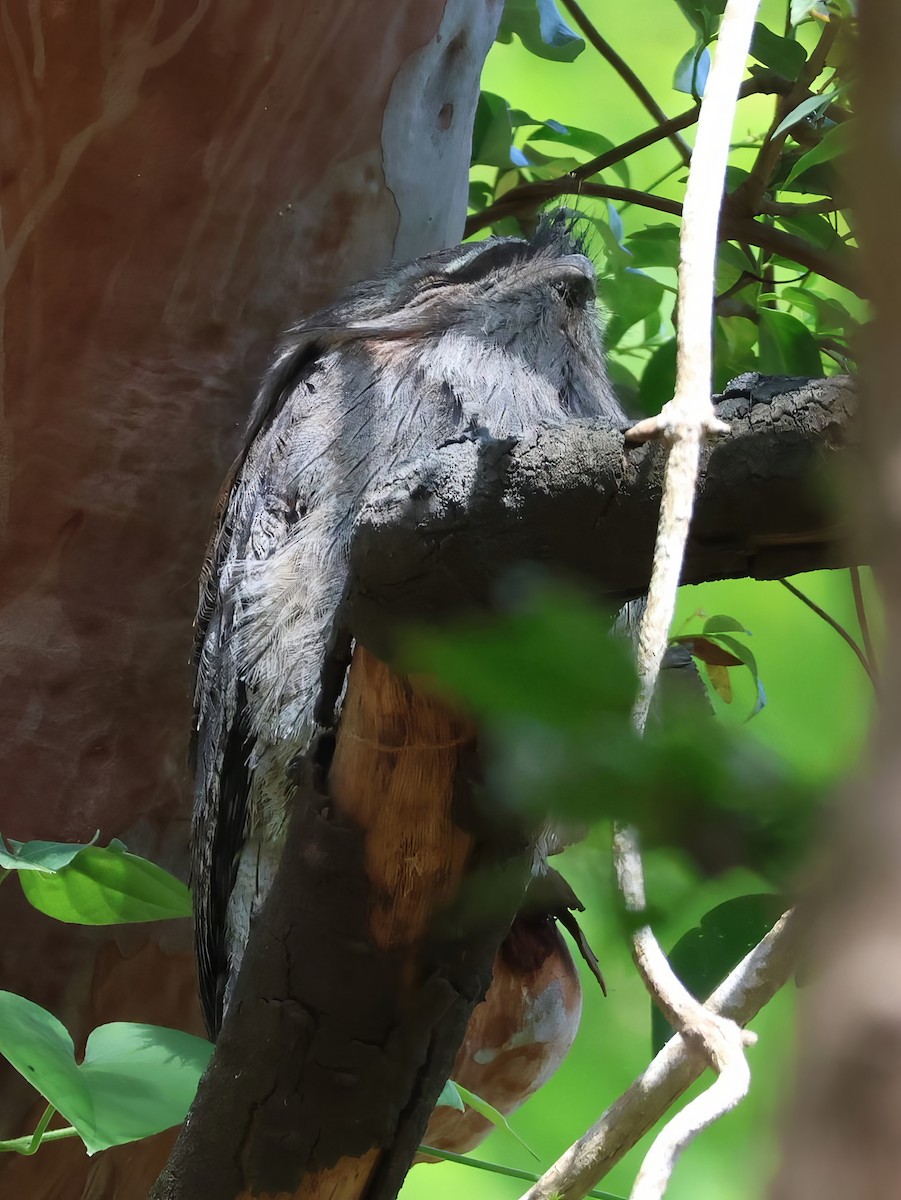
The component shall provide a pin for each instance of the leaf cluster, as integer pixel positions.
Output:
(787, 260)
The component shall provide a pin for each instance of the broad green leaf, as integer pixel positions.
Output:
(815, 228)
(134, 1081)
(655, 246)
(831, 315)
(658, 381)
(787, 346)
(540, 661)
(490, 1113)
(720, 623)
(479, 195)
(47, 857)
(107, 886)
(492, 134)
(734, 347)
(593, 143)
(784, 55)
(629, 296)
(834, 142)
(624, 382)
(731, 263)
(541, 29)
(690, 75)
(450, 1097)
(706, 954)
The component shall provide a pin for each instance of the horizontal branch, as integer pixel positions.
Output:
(435, 540)
(740, 997)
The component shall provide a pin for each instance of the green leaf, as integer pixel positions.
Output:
(810, 107)
(784, 55)
(703, 15)
(831, 315)
(541, 29)
(450, 1097)
(47, 857)
(629, 296)
(655, 246)
(107, 886)
(706, 954)
(492, 134)
(593, 143)
(742, 652)
(720, 623)
(491, 1114)
(787, 346)
(658, 381)
(734, 347)
(692, 69)
(540, 661)
(134, 1081)
(833, 143)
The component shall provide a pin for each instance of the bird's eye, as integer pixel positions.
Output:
(574, 288)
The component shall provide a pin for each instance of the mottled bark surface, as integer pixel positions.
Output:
(364, 965)
(436, 539)
(179, 183)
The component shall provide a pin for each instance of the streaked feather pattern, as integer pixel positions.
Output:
(500, 334)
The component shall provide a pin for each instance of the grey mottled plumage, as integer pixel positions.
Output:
(500, 334)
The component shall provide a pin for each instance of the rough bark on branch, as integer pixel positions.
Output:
(365, 963)
(435, 541)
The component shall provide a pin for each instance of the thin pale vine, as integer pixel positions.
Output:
(30, 1143)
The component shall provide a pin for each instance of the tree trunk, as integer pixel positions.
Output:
(180, 182)
(843, 1132)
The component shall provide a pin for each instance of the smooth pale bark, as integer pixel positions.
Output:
(179, 183)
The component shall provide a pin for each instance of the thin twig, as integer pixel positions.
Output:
(749, 987)
(750, 192)
(525, 198)
(626, 73)
(840, 268)
(480, 1164)
(839, 629)
(861, 609)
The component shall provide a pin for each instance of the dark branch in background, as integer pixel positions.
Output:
(748, 196)
(434, 541)
(626, 73)
(840, 268)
